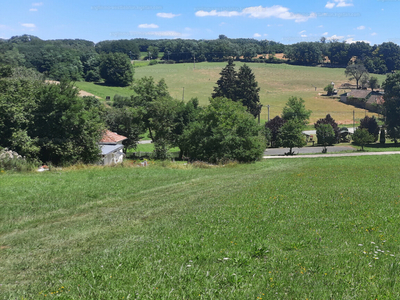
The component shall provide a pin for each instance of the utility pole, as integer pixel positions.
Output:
(268, 112)
(194, 61)
(183, 93)
(148, 58)
(353, 121)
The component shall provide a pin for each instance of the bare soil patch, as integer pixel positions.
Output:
(81, 93)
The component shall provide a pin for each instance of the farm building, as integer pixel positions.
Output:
(112, 148)
(372, 101)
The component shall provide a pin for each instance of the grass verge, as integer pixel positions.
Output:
(287, 229)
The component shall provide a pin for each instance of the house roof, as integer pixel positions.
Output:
(112, 137)
(361, 94)
(107, 149)
(376, 98)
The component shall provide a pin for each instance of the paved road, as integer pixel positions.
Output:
(309, 132)
(306, 150)
(145, 142)
(337, 155)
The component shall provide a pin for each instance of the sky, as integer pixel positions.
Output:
(287, 21)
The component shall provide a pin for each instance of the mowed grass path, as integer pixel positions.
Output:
(282, 229)
(278, 82)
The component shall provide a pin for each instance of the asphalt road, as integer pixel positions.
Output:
(306, 150)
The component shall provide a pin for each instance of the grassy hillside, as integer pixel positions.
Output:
(282, 229)
(277, 82)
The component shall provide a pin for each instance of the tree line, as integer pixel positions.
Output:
(77, 59)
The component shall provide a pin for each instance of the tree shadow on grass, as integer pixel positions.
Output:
(109, 85)
(386, 146)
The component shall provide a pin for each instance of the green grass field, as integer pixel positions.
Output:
(277, 82)
(277, 229)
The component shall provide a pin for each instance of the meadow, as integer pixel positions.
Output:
(278, 82)
(321, 228)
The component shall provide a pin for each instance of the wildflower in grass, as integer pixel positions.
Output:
(360, 245)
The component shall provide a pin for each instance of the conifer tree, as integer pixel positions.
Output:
(239, 87)
(247, 90)
(226, 85)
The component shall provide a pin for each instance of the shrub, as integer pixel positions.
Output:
(224, 131)
(11, 160)
(325, 135)
(153, 62)
(371, 125)
(329, 120)
(329, 89)
(274, 126)
(382, 138)
(362, 137)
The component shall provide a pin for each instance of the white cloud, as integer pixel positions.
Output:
(330, 5)
(148, 26)
(37, 4)
(28, 25)
(167, 15)
(265, 34)
(33, 9)
(222, 23)
(302, 31)
(374, 33)
(335, 37)
(342, 3)
(338, 3)
(325, 33)
(214, 13)
(352, 41)
(257, 35)
(320, 26)
(304, 35)
(164, 33)
(362, 27)
(259, 12)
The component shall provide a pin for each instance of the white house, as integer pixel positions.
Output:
(112, 148)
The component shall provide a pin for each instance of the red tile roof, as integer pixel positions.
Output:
(112, 137)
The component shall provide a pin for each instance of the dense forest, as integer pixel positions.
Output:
(81, 60)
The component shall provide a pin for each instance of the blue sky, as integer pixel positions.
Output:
(287, 21)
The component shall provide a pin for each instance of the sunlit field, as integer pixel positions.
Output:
(284, 229)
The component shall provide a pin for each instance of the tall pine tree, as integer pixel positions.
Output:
(226, 85)
(241, 87)
(247, 90)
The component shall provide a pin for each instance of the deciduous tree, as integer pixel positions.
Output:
(292, 135)
(296, 110)
(392, 105)
(362, 137)
(355, 71)
(116, 69)
(224, 131)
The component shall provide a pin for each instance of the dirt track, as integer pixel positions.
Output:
(81, 93)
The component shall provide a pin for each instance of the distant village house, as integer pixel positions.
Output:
(111, 148)
(371, 100)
